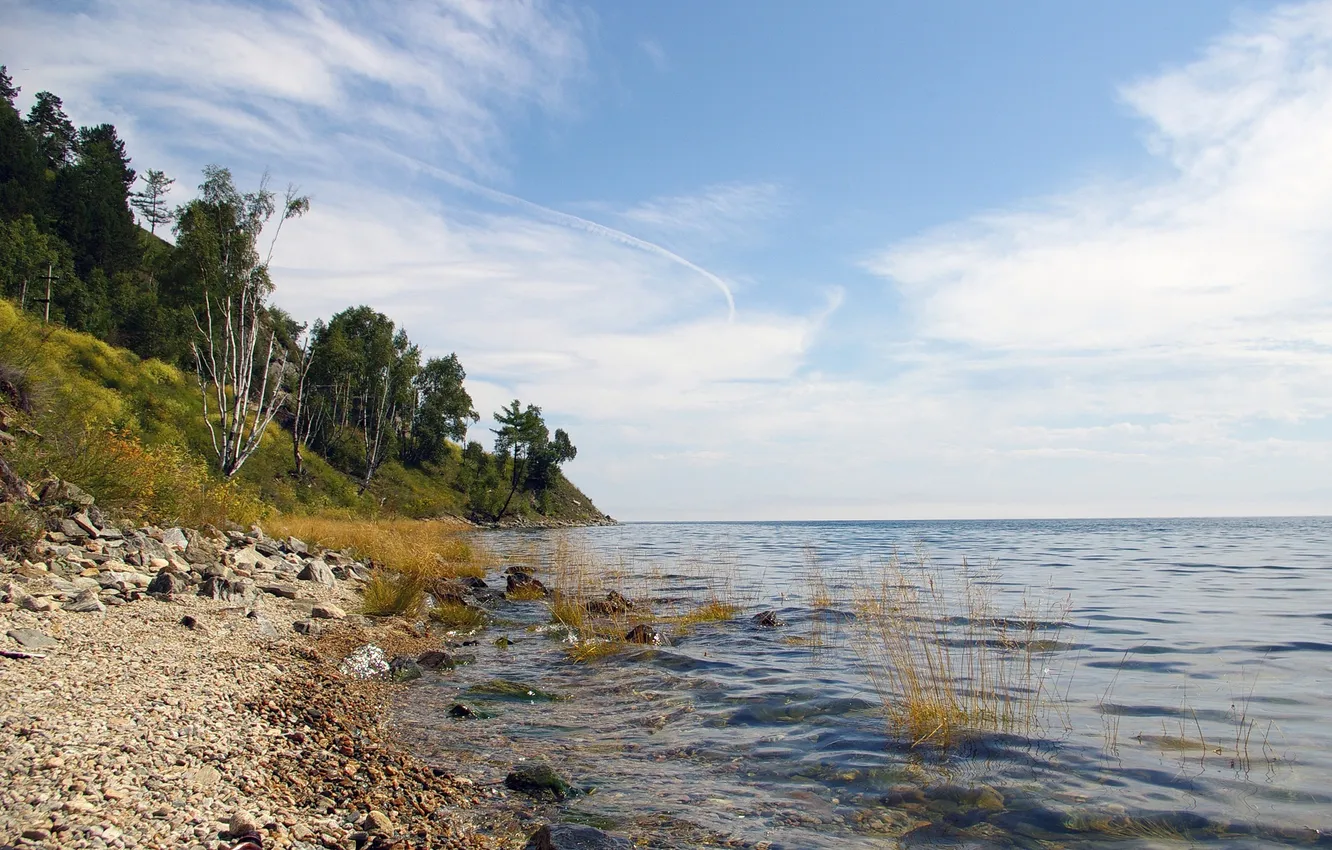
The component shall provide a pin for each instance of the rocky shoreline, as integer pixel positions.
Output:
(168, 687)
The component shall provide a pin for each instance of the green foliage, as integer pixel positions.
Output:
(151, 200)
(52, 129)
(19, 530)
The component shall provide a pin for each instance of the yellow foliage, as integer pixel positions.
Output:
(420, 549)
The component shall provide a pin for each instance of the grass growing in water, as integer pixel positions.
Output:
(947, 667)
(463, 618)
(390, 594)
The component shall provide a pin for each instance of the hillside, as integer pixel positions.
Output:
(131, 431)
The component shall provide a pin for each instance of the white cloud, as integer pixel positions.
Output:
(438, 77)
(1143, 346)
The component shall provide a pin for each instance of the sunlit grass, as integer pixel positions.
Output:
(390, 594)
(462, 618)
(713, 611)
(423, 549)
(946, 666)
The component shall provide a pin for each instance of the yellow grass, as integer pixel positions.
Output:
(463, 618)
(423, 549)
(947, 667)
(713, 611)
(389, 594)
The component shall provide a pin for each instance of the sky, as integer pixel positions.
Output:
(769, 259)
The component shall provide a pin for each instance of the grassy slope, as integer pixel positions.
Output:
(79, 382)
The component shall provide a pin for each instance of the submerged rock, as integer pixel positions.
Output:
(438, 659)
(573, 836)
(642, 633)
(404, 669)
(768, 620)
(461, 712)
(522, 584)
(539, 781)
(614, 603)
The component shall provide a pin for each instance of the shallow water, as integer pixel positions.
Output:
(1192, 677)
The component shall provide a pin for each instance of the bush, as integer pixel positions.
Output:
(19, 530)
(136, 482)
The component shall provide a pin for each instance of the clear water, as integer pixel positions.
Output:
(1194, 673)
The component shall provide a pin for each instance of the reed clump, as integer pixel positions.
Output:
(393, 594)
(947, 666)
(458, 617)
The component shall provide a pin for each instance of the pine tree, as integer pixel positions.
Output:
(52, 129)
(151, 200)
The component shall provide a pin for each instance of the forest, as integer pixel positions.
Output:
(89, 243)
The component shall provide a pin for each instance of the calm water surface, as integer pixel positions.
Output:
(1194, 675)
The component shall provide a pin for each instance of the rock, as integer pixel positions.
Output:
(436, 659)
(642, 633)
(234, 591)
(86, 602)
(192, 623)
(328, 611)
(522, 584)
(32, 639)
(305, 627)
(539, 781)
(376, 822)
(404, 669)
(250, 557)
(573, 836)
(988, 798)
(614, 603)
(72, 530)
(317, 571)
(37, 605)
(461, 712)
(36, 834)
(367, 662)
(168, 582)
(767, 620)
(297, 547)
(159, 563)
(53, 491)
(241, 823)
(472, 582)
(265, 628)
(286, 591)
(81, 519)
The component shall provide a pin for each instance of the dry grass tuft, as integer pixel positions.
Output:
(393, 594)
(462, 618)
(419, 549)
(712, 611)
(947, 667)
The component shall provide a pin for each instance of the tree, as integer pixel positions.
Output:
(234, 351)
(51, 128)
(8, 90)
(22, 175)
(91, 204)
(361, 382)
(441, 410)
(524, 439)
(151, 200)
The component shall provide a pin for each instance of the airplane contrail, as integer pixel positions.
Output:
(569, 220)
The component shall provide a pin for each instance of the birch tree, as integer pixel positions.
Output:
(236, 353)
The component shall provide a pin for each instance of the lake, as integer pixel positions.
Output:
(1186, 698)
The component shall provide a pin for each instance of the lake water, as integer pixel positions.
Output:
(1189, 691)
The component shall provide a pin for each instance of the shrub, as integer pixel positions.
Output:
(19, 530)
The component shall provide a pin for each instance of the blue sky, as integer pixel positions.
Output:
(787, 259)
